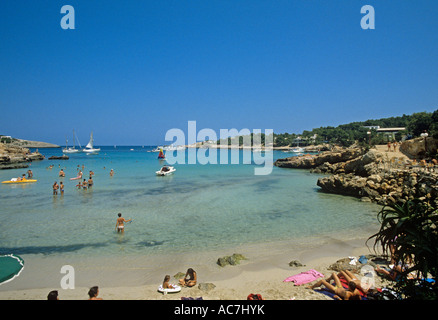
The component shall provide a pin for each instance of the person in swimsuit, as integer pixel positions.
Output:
(120, 227)
(166, 284)
(90, 182)
(55, 188)
(338, 289)
(61, 187)
(347, 275)
(189, 279)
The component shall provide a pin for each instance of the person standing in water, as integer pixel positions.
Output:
(55, 188)
(120, 223)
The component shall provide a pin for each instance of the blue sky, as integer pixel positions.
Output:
(133, 69)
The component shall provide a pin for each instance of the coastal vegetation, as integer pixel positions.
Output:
(409, 234)
(363, 133)
(348, 134)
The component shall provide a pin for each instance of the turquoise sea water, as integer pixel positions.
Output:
(205, 207)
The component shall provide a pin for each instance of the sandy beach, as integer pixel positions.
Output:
(262, 274)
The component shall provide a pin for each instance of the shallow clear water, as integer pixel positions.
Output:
(201, 206)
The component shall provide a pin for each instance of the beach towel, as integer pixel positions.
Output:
(304, 277)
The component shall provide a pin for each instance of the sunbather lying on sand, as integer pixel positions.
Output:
(338, 289)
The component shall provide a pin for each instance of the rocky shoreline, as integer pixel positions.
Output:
(376, 175)
(15, 157)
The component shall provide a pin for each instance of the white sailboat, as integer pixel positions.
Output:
(89, 148)
(71, 149)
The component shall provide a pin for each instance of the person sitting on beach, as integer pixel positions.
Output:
(120, 227)
(396, 271)
(93, 293)
(166, 284)
(189, 279)
(338, 289)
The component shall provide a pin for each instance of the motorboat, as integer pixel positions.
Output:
(165, 170)
(172, 147)
(89, 148)
(297, 150)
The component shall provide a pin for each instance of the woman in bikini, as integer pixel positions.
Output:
(189, 279)
(338, 289)
(120, 227)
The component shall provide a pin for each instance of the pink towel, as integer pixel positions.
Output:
(304, 277)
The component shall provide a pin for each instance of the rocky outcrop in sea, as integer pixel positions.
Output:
(13, 157)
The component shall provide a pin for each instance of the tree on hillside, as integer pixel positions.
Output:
(419, 122)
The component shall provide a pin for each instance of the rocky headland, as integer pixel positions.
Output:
(13, 157)
(375, 175)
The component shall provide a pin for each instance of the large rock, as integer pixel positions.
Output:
(337, 155)
(416, 148)
(230, 260)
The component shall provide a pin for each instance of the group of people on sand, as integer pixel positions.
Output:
(189, 280)
(353, 291)
(394, 145)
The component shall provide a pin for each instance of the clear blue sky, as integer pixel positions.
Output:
(133, 69)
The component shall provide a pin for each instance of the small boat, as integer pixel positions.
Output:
(297, 150)
(71, 149)
(19, 180)
(172, 147)
(161, 155)
(89, 148)
(165, 170)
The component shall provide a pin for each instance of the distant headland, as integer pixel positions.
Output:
(8, 140)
